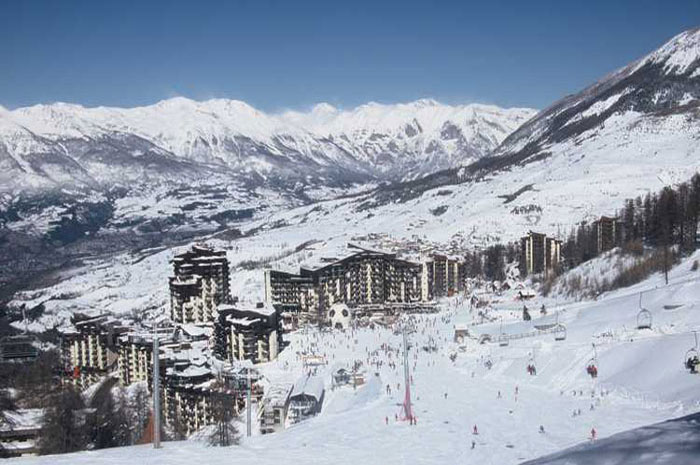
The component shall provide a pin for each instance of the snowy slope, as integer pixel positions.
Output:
(632, 153)
(642, 381)
(674, 441)
(662, 85)
(635, 131)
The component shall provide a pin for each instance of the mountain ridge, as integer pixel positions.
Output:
(242, 140)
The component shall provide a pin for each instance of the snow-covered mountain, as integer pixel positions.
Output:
(70, 145)
(634, 131)
(413, 139)
(659, 92)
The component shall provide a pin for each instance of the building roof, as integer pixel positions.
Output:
(195, 331)
(310, 386)
(261, 308)
(277, 394)
(23, 420)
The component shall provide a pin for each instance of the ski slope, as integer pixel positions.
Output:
(678, 439)
(641, 381)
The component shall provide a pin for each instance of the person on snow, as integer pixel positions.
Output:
(541, 429)
(475, 431)
(593, 434)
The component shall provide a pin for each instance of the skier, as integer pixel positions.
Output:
(499, 395)
(541, 429)
(386, 420)
(475, 431)
(473, 444)
(593, 434)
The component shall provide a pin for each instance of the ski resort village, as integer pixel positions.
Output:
(200, 281)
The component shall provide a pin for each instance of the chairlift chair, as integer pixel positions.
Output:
(692, 354)
(560, 333)
(592, 365)
(503, 338)
(644, 318)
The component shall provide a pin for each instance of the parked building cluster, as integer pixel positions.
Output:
(200, 283)
(441, 276)
(198, 353)
(539, 254)
(363, 279)
(608, 231)
(89, 347)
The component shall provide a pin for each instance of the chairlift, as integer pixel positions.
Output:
(644, 317)
(503, 338)
(560, 333)
(592, 365)
(531, 367)
(692, 357)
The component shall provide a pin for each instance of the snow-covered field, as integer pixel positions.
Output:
(641, 381)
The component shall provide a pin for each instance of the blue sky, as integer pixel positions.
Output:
(292, 54)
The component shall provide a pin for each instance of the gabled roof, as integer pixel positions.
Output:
(310, 386)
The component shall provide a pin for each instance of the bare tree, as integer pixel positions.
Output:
(140, 408)
(224, 413)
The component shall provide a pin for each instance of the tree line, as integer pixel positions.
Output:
(111, 416)
(666, 220)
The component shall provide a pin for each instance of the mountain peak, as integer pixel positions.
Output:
(323, 108)
(426, 102)
(679, 55)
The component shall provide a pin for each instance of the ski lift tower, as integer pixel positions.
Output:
(156, 389)
(407, 408)
(248, 405)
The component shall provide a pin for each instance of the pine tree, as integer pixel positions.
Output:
(63, 428)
